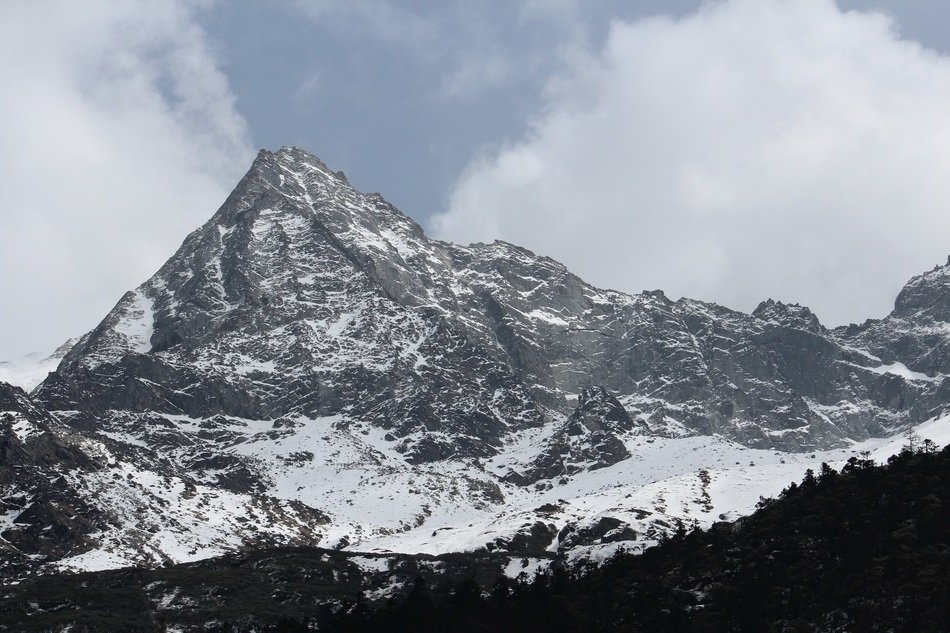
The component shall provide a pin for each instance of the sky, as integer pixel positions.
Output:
(729, 151)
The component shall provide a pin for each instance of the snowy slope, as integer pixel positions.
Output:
(698, 480)
(310, 368)
(386, 505)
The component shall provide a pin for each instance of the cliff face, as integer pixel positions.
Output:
(43, 516)
(313, 367)
(302, 295)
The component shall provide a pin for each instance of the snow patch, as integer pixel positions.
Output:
(900, 369)
(137, 322)
(547, 317)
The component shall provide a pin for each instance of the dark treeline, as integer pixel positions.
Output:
(866, 549)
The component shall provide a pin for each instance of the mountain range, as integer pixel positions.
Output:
(309, 368)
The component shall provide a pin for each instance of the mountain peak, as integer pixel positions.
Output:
(788, 314)
(294, 157)
(927, 294)
(311, 365)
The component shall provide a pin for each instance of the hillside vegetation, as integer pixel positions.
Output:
(866, 549)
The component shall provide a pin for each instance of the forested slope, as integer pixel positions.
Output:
(866, 549)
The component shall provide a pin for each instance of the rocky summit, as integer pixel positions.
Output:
(310, 368)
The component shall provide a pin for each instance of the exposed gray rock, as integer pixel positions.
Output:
(790, 315)
(604, 530)
(44, 517)
(304, 297)
(591, 438)
(310, 332)
(294, 298)
(533, 539)
(916, 333)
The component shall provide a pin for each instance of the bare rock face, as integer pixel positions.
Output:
(591, 438)
(44, 516)
(309, 346)
(303, 295)
(72, 497)
(790, 315)
(916, 335)
(296, 298)
(598, 412)
(605, 530)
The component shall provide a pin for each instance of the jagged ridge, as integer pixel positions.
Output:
(310, 345)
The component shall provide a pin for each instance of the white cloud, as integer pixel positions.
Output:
(120, 135)
(756, 148)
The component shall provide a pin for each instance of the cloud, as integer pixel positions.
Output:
(475, 75)
(755, 148)
(120, 135)
(380, 19)
(564, 11)
(457, 50)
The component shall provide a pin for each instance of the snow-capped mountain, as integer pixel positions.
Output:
(310, 367)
